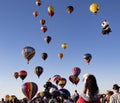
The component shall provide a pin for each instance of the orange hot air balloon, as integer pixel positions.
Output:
(22, 74)
(64, 45)
(35, 13)
(43, 29)
(28, 53)
(42, 21)
(44, 56)
(62, 82)
(38, 2)
(60, 55)
(69, 9)
(47, 39)
(16, 75)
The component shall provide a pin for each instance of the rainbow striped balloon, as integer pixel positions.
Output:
(29, 89)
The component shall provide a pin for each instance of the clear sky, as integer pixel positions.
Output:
(81, 30)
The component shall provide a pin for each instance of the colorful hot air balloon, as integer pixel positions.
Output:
(51, 10)
(60, 55)
(56, 78)
(44, 56)
(62, 82)
(69, 9)
(35, 13)
(22, 74)
(42, 21)
(74, 79)
(76, 71)
(29, 89)
(94, 8)
(87, 57)
(38, 70)
(38, 2)
(28, 53)
(64, 45)
(47, 39)
(43, 29)
(16, 75)
(77, 80)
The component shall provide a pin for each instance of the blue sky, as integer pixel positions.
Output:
(81, 30)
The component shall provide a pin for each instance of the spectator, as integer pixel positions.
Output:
(90, 91)
(115, 98)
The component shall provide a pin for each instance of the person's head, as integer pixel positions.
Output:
(116, 87)
(91, 85)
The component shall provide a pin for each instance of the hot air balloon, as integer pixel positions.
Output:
(50, 10)
(56, 78)
(87, 57)
(16, 75)
(35, 13)
(22, 74)
(62, 82)
(64, 45)
(105, 27)
(44, 56)
(28, 53)
(76, 71)
(69, 9)
(42, 21)
(72, 78)
(43, 29)
(60, 55)
(47, 39)
(38, 70)
(94, 8)
(29, 89)
(38, 2)
(77, 80)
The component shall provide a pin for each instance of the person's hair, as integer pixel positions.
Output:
(91, 85)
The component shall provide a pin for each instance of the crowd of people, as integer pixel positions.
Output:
(90, 94)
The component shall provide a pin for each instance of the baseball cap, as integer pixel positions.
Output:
(116, 87)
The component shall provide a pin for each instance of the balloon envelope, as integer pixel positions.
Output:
(56, 78)
(38, 2)
(28, 53)
(16, 75)
(69, 9)
(76, 71)
(62, 82)
(60, 55)
(64, 45)
(42, 21)
(43, 29)
(44, 56)
(38, 70)
(50, 9)
(29, 89)
(35, 13)
(22, 74)
(87, 57)
(94, 8)
(47, 39)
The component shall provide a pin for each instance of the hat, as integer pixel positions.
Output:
(116, 87)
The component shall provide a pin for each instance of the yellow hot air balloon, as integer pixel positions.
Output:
(50, 9)
(64, 45)
(94, 8)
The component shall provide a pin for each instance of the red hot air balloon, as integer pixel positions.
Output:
(76, 71)
(43, 29)
(29, 89)
(62, 82)
(22, 74)
(28, 53)
(77, 80)
(35, 13)
(38, 70)
(87, 57)
(44, 56)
